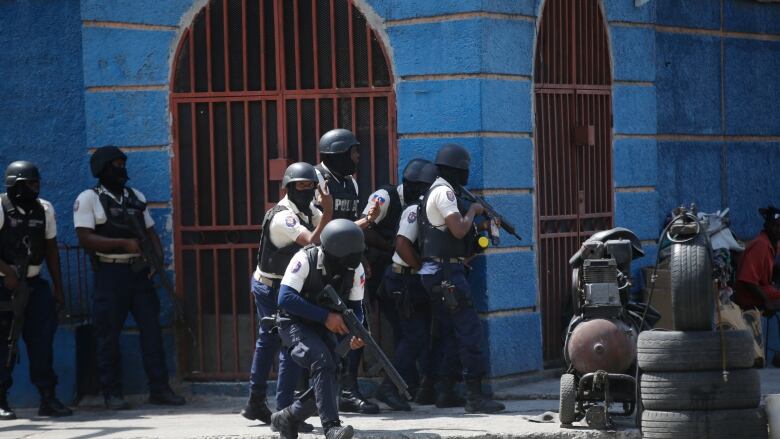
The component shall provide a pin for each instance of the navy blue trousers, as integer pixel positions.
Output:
(412, 345)
(40, 324)
(460, 332)
(267, 347)
(119, 291)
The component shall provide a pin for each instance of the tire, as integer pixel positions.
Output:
(693, 299)
(568, 399)
(701, 390)
(671, 351)
(712, 424)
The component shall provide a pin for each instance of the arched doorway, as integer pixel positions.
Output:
(573, 146)
(255, 83)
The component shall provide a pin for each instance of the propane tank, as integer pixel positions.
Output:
(601, 344)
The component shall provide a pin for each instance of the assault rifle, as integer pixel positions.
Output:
(490, 211)
(356, 329)
(18, 303)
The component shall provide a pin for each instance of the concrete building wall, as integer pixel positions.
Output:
(694, 100)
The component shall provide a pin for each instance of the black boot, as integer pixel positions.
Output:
(256, 409)
(116, 402)
(285, 423)
(166, 396)
(6, 414)
(352, 401)
(426, 393)
(334, 430)
(478, 402)
(388, 394)
(51, 406)
(447, 397)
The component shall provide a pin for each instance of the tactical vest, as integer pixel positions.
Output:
(118, 223)
(435, 243)
(270, 258)
(17, 226)
(388, 227)
(345, 196)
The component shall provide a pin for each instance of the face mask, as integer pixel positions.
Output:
(339, 266)
(22, 195)
(341, 164)
(413, 191)
(301, 198)
(114, 178)
(455, 177)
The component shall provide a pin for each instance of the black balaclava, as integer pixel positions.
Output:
(414, 190)
(301, 198)
(454, 176)
(113, 178)
(340, 164)
(22, 195)
(335, 266)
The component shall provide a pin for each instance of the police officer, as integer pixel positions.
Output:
(106, 218)
(447, 236)
(310, 333)
(287, 227)
(408, 299)
(28, 230)
(340, 156)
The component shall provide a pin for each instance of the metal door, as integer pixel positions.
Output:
(255, 84)
(573, 145)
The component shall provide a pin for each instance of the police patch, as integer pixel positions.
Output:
(450, 196)
(76, 206)
(412, 217)
(297, 267)
(378, 199)
(291, 221)
(362, 279)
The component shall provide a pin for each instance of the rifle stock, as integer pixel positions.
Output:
(491, 212)
(356, 329)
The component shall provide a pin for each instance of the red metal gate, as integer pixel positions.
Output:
(255, 84)
(573, 134)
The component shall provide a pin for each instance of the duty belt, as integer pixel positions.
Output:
(449, 260)
(108, 260)
(400, 269)
(267, 281)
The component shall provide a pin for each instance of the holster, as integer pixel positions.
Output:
(446, 291)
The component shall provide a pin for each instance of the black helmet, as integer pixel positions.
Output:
(337, 141)
(412, 170)
(454, 156)
(21, 170)
(300, 171)
(428, 173)
(341, 238)
(103, 156)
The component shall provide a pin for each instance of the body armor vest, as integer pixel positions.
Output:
(345, 196)
(17, 226)
(388, 227)
(435, 243)
(270, 258)
(118, 223)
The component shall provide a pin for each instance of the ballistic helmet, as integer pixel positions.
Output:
(337, 141)
(413, 169)
(341, 238)
(300, 171)
(102, 157)
(454, 156)
(21, 170)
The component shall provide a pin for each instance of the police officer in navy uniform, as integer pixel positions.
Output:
(28, 229)
(340, 156)
(311, 331)
(102, 217)
(447, 238)
(406, 297)
(287, 227)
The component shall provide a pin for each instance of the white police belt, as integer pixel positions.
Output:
(267, 281)
(450, 260)
(107, 260)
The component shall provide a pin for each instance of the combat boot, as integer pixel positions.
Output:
(166, 396)
(447, 397)
(426, 393)
(478, 402)
(285, 423)
(334, 430)
(352, 401)
(50, 405)
(6, 414)
(256, 409)
(388, 394)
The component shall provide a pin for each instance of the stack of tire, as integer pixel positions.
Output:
(682, 388)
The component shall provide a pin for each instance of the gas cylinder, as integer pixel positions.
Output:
(601, 344)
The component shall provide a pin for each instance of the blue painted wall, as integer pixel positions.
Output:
(462, 75)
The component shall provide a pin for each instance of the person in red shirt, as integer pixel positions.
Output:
(754, 288)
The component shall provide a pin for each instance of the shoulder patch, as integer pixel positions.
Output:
(297, 267)
(76, 205)
(378, 199)
(412, 217)
(362, 279)
(450, 195)
(290, 221)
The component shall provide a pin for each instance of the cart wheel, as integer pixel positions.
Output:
(568, 399)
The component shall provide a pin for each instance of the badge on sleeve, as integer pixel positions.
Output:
(76, 206)
(296, 267)
(450, 196)
(412, 217)
(362, 279)
(291, 221)
(378, 199)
